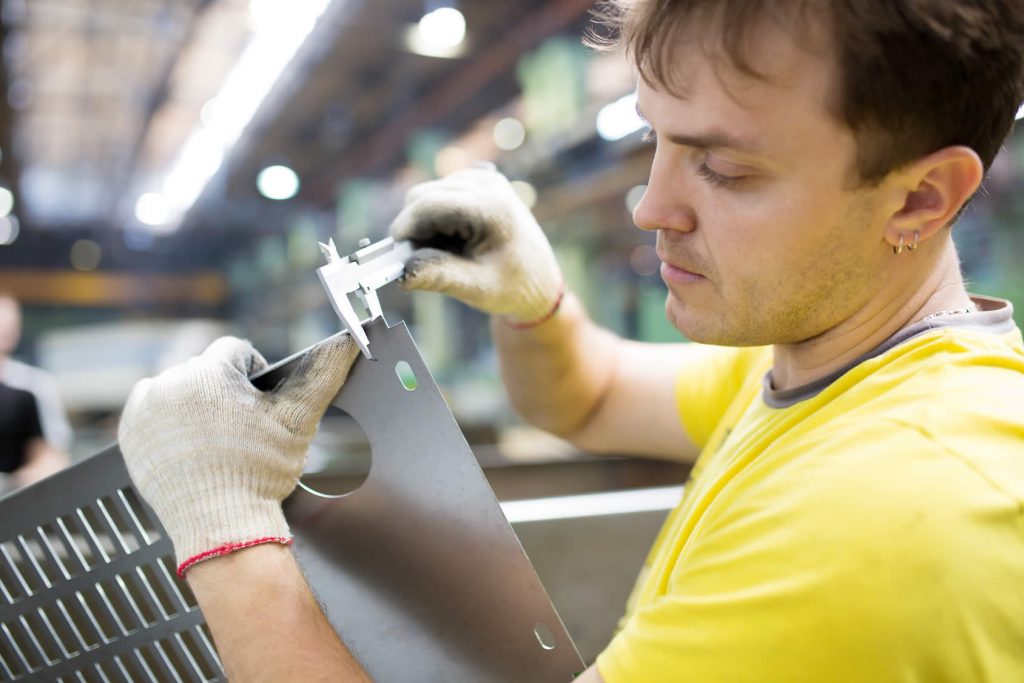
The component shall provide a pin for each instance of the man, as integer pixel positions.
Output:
(20, 375)
(34, 430)
(856, 510)
(25, 456)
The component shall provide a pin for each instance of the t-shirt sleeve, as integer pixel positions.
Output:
(847, 577)
(755, 602)
(708, 380)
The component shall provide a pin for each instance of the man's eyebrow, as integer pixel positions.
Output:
(713, 139)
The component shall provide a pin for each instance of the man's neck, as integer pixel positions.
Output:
(942, 290)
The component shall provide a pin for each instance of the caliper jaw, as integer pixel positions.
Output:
(361, 273)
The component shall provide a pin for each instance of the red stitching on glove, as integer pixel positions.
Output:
(227, 549)
(544, 318)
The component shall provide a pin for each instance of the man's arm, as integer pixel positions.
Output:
(591, 675)
(41, 460)
(265, 621)
(475, 240)
(603, 393)
(214, 457)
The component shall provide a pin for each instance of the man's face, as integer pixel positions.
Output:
(763, 235)
(10, 325)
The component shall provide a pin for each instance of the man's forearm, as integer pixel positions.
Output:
(42, 460)
(557, 372)
(265, 621)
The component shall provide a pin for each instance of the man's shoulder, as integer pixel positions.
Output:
(13, 394)
(887, 484)
(886, 499)
(21, 375)
(17, 405)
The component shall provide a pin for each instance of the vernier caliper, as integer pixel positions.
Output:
(362, 273)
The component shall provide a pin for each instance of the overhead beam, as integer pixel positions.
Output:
(479, 70)
(112, 290)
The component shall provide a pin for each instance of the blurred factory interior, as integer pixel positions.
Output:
(168, 167)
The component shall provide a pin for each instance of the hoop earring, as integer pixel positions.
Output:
(917, 238)
(898, 249)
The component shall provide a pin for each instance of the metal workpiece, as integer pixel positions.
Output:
(418, 568)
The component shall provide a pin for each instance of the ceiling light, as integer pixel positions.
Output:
(526, 192)
(277, 182)
(619, 118)
(85, 255)
(644, 260)
(633, 197)
(444, 28)
(200, 159)
(8, 229)
(509, 134)
(208, 114)
(152, 209)
(440, 33)
(6, 201)
(280, 29)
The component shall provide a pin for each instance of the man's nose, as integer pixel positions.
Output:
(663, 204)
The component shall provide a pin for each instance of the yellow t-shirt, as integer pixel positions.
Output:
(870, 532)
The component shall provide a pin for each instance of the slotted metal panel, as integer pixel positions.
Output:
(418, 568)
(89, 588)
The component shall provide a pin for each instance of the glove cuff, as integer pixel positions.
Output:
(548, 315)
(203, 532)
(537, 294)
(227, 549)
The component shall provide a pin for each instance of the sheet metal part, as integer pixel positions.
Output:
(418, 568)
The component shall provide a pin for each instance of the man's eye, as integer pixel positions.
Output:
(718, 179)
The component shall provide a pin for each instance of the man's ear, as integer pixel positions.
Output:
(930, 192)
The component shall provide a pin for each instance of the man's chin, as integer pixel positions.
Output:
(706, 327)
(690, 323)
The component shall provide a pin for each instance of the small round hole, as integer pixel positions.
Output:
(544, 636)
(406, 376)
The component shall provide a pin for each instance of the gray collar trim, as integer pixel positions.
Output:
(994, 316)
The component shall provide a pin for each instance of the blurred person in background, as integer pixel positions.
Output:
(856, 508)
(38, 382)
(25, 456)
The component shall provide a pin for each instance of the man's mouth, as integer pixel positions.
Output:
(675, 272)
(672, 274)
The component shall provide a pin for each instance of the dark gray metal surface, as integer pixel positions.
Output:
(418, 568)
(88, 585)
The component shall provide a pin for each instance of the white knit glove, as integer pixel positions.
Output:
(214, 456)
(477, 241)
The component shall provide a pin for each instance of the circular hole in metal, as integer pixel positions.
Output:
(339, 457)
(544, 636)
(406, 375)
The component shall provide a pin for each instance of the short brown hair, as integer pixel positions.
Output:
(915, 75)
